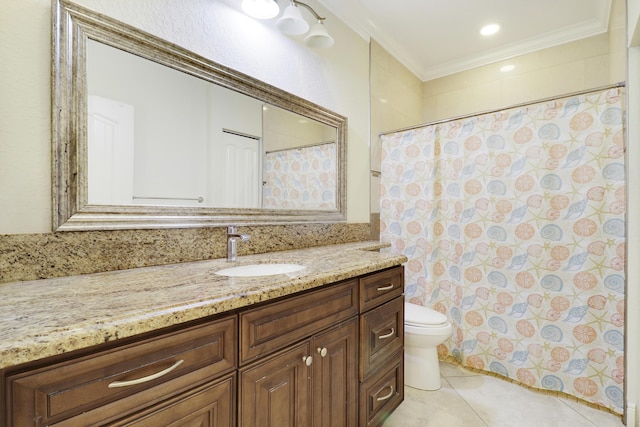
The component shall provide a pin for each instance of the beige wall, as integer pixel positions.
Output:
(396, 96)
(396, 102)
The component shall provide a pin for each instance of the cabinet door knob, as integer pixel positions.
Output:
(308, 360)
(385, 336)
(322, 351)
(379, 399)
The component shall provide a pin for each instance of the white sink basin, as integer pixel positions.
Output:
(256, 270)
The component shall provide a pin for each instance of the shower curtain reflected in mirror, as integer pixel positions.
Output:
(514, 226)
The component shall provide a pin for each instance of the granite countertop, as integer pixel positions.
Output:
(43, 318)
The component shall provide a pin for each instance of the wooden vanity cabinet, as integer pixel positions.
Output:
(312, 378)
(313, 383)
(299, 370)
(328, 357)
(381, 364)
(170, 378)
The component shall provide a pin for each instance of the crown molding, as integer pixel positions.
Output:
(359, 21)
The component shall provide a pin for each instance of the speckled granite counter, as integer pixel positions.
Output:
(53, 316)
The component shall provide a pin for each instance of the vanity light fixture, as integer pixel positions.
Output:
(318, 37)
(261, 9)
(291, 22)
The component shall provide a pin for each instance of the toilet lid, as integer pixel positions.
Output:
(418, 315)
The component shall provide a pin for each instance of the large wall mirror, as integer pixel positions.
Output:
(147, 135)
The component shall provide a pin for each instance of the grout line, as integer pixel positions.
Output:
(592, 422)
(466, 402)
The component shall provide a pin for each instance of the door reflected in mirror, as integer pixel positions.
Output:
(158, 136)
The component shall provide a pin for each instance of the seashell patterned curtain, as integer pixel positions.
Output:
(514, 226)
(301, 178)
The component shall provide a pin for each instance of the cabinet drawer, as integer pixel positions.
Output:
(381, 335)
(276, 325)
(209, 404)
(117, 381)
(380, 287)
(382, 393)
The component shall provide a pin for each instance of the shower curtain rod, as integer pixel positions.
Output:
(523, 104)
(315, 144)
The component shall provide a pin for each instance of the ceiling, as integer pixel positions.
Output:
(434, 38)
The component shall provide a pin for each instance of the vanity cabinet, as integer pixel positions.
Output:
(381, 364)
(312, 378)
(327, 357)
(170, 378)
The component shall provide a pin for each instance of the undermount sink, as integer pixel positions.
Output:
(257, 270)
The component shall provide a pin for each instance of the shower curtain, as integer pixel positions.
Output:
(514, 226)
(301, 178)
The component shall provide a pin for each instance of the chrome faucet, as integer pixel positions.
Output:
(232, 242)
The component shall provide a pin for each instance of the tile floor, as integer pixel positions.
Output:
(469, 399)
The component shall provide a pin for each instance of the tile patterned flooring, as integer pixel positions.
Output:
(469, 399)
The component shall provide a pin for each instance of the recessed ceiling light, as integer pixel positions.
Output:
(487, 30)
(507, 68)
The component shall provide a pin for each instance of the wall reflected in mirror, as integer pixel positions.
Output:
(157, 136)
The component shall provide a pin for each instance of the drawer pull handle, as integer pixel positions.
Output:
(379, 399)
(385, 336)
(148, 378)
(308, 360)
(386, 288)
(322, 351)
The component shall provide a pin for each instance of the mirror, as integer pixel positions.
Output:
(170, 139)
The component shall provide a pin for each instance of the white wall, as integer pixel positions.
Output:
(170, 122)
(336, 78)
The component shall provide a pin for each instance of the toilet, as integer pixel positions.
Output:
(424, 330)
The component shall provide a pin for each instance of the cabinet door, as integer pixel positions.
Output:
(277, 392)
(335, 377)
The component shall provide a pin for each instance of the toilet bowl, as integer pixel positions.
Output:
(424, 330)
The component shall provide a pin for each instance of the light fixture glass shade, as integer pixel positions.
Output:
(291, 21)
(261, 9)
(318, 37)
